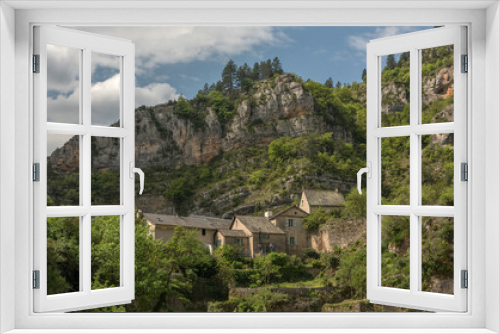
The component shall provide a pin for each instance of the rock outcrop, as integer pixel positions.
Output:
(278, 107)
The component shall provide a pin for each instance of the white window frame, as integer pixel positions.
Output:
(484, 103)
(86, 43)
(414, 296)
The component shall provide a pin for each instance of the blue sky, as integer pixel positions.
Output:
(185, 58)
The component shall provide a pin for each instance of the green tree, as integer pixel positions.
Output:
(391, 62)
(256, 72)
(276, 66)
(363, 75)
(316, 219)
(355, 204)
(229, 76)
(329, 82)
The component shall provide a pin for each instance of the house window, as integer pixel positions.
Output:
(291, 223)
(292, 241)
(264, 236)
(218, 243)
(238, 241)
(203, 232)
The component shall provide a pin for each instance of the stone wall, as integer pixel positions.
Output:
(337, 232)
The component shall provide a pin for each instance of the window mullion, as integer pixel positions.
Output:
(85, 246)
(415, 187)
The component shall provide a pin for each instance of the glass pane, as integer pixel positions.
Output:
(63, 170)
(105, 254)
(437, 254)
(63, 84)
(63, 255)
(395, 94)
(395, 243)
(105, 171)
(105, 91)
(437, 84)
(395, 168)
(437, 169)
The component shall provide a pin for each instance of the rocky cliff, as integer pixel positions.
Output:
(276, 107)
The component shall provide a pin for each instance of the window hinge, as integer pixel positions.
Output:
(465, 64)
(36, 279)
(36, 63)
(36, 172)
(465, 279)
(464, 171)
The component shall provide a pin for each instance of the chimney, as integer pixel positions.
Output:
(140, 215)
(268, 214)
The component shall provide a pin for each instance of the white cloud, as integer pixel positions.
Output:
(105, 98)
(63, 68)
(359, 42)
(154, 94)
(169, 45)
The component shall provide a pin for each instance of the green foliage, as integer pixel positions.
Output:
(223, 107)
(351, 273)
(282, 149)
(316, 219)
(310, 253)
(355, 204)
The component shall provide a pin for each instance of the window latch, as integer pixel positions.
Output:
(134, 170)
(368, 171)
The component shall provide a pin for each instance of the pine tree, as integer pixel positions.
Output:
(241, 74)
(338, 85)
(266, 69)
(329, 82)
(229, 76)
(391, 62)
(256, 72)
(276, 66)
(363, 75)
(403, 59)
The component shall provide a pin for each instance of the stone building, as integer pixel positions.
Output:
(291, 222)
(312, 199)
(282, 232)
(162, 226)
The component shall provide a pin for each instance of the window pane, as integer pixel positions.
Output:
(63, 170)
(105, 253)
(437, 169)
(63, 84)
(395, 252)
(63, 254)
(437, 84)
(437, 254)
(395, 168)
(105, 91)
(395, 94)
(105, 171)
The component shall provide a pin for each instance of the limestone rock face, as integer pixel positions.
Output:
(278, 107)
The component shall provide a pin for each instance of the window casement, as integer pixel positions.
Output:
(291, 223)
(83, 125)
(408, 210)
(292, 241)
(482, 102)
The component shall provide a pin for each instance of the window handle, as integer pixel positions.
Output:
(368, 171)
(141, 175)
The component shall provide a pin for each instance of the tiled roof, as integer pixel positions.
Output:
(233, 233)
(259, 224)
(324, 197)
(283, 211)
(208, 223)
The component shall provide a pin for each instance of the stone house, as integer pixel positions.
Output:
(312, 199)
(163, 226)
(263, 236)
(291, 222)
